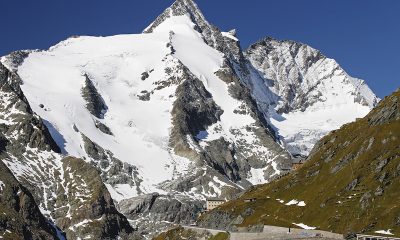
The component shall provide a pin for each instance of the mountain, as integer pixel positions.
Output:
(151, 119)
(348, 185)
(147, 126)
(313, 92)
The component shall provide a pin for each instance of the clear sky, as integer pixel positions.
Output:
(362, 35)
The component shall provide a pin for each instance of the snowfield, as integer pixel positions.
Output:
(301, 130)
(385, 232)
(115, 64)
(53, 82)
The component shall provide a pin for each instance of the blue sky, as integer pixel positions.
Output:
(362, 35)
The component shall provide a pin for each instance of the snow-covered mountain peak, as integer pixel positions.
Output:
(300, 75)
(312, 91)
(180, 8)
(211, 35)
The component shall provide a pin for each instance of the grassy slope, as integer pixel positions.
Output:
(329, 205)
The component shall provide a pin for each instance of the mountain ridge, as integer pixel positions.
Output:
(312, 91)
(371, 100)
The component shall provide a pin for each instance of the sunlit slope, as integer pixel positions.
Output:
(350, 183)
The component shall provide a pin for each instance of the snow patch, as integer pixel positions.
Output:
(292, 202)
(385, 232)
(304, 226)
(80, 224)
(301, 204)
(256, 176)
(192, 144)
(296, 202)
(121, 191)
(229, 35)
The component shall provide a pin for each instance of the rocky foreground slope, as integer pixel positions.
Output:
(121, 136)
(349, 183)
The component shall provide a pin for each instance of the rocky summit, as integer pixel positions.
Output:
(119, 137)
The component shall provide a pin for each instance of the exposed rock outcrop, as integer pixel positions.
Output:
(15, 59)
(386, 113)
(306, 88)
(298, 72)
(94, 101)
(194, 110)
(20, 217)
(91, 210)
(112, 170)
(174, 209)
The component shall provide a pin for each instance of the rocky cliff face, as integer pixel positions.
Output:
(91, 212)
(95, 103)
(159, 211)
(309, 88)
(348, 185)
(302, 76)
(20, 217)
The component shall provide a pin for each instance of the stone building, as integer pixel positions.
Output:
(213, 203)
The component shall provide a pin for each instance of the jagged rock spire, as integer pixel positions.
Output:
(180, 8)
(211, 34)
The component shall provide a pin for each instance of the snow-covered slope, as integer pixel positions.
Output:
(114, 65)
(53, 82)
(314, 95)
